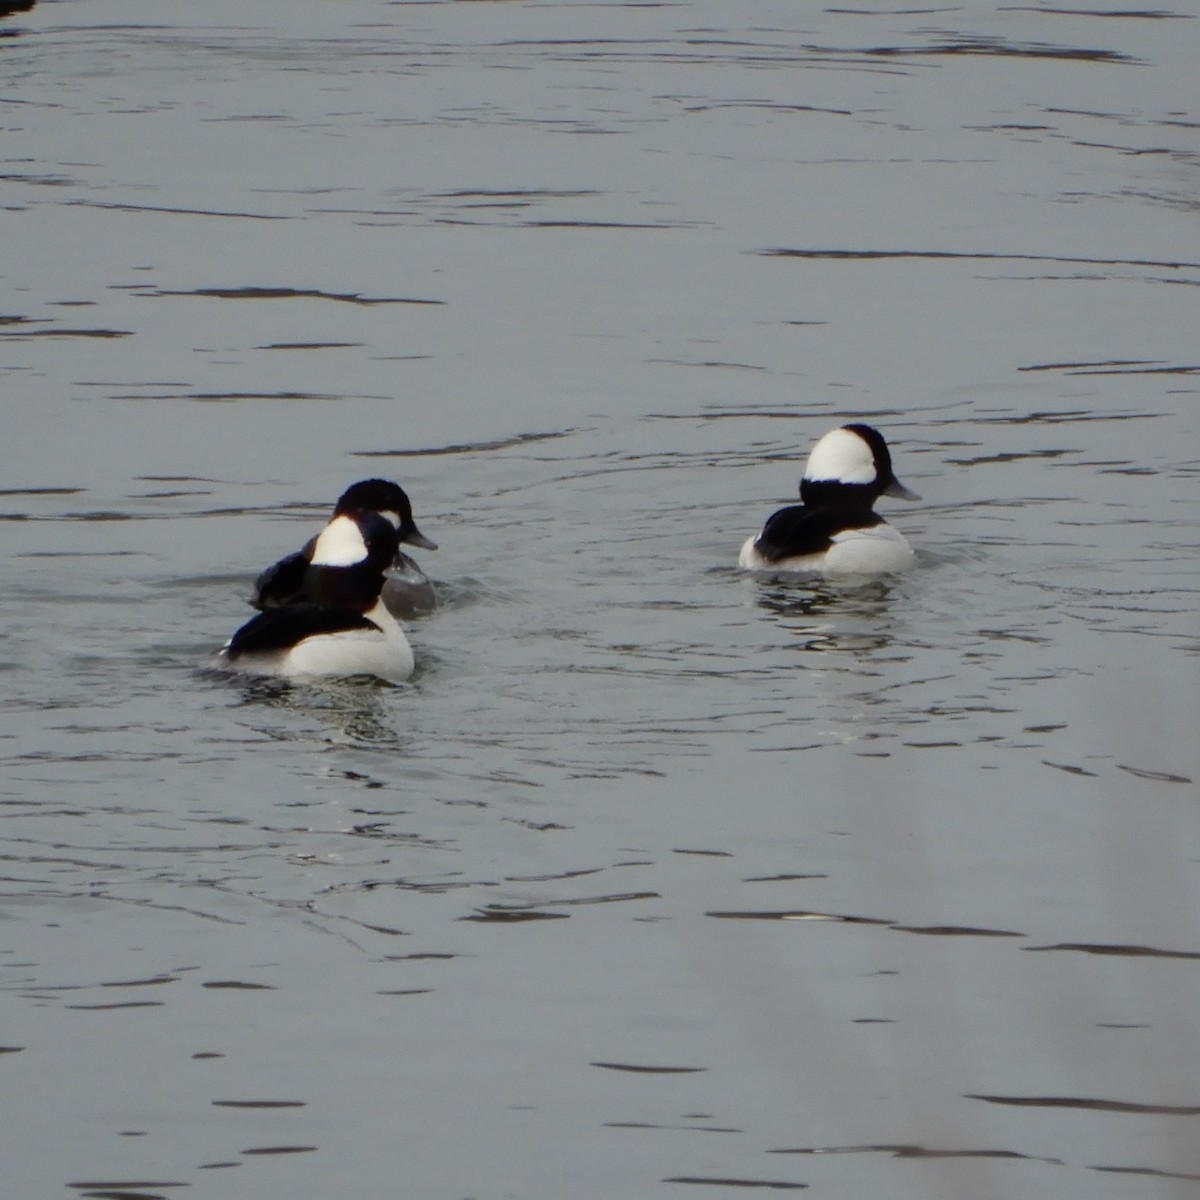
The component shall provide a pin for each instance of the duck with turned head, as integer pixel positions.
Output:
(337, 624)
(406, 590)
(835, 530)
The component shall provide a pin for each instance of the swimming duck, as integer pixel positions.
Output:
(337, 624)
(406, 589)
(835, 531)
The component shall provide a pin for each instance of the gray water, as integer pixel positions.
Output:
(656, 880)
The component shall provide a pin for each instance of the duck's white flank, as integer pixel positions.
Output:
(879, 550)
(386, 654)
(383, 652)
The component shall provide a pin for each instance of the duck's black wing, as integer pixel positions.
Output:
(281, 584)
(805, 529)
(284, 582)
(280, 628)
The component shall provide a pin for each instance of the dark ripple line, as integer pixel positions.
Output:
(1145, 772)
(1084, 1102)
(228, 397)
(1070, 769)
(1189, 369)
(122, 1195)
(126, 1184)
(595, 47)
(285, 293)
(639, 1069)
(520, 439)
(1152, 14)
(906, 1150)
(1118, 951)
(716, 1181)
(986, 255)
(956, 931)
(1077, 366)
(260, 1103)
(581, 224)
(681, 1128)
(124, 983)
(161, 907)
(496, 914)
(180, 212)
(1151, 1171)
(20, 335)
(552, 878)
(280, 1150)
(841, 918)
(1007, 457)
(615, 898)
(518, 194)
(111, 1007)
(769, 105)
(524, 912)
(999, 48)
(42, 491)
(792, 915)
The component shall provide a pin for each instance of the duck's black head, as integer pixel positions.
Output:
(389, 499)
(349, 558)
(850, 467)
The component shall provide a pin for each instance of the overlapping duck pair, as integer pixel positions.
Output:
(331, 608)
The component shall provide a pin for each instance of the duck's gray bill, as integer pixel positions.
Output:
(417, 538)
(897, 489)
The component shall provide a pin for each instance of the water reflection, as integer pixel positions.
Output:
(355, 711)
(832, 618)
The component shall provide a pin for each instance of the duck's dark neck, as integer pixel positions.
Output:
(354, 588)
(822, 493)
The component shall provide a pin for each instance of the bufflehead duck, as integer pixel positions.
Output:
(338, 624)
(835, 531)
(406, 589)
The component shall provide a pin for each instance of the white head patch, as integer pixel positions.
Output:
(340, 544)
(841, 456)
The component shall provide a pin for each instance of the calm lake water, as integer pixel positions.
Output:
(656, 880)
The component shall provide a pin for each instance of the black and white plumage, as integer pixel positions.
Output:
(835, 530)
(406, 591)
(336, 624)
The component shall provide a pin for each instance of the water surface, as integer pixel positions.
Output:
(655, 878)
